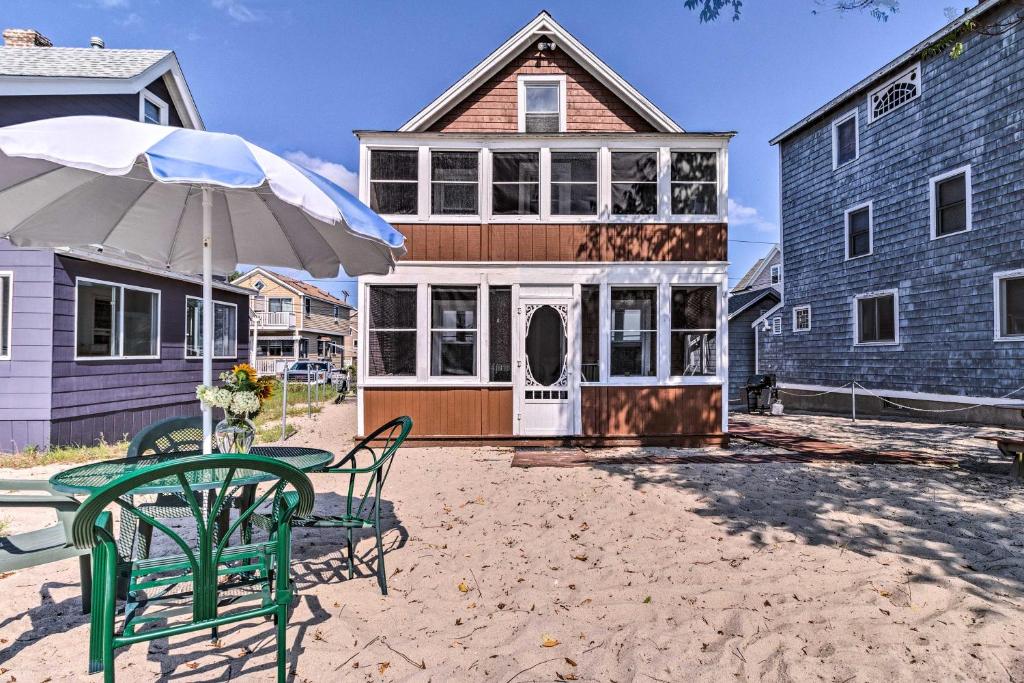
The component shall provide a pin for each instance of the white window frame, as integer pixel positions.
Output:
(777, 268)
(998, 301)
(796, 327)
(147, 96)
(662, 187)
(777, 325)
(895, 314)
(216, 302)
(481, 193)
(920, 88)
(120, 322)
(718, 183)
(543, 187)
(418, 182)
(540, 79)
(695, 330)
(381, 380)
(7, 310)
(547, 183)
(933, 197)
(870, 206)
(428, 323)
(852, 114)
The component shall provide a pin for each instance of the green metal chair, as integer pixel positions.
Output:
(198, 588)
(366, 514)
(50, 544)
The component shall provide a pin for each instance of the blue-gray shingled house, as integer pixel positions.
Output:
(756, 293)
(902, 220)
(96, 345)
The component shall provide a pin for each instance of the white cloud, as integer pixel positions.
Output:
(112, 4)
(133, 20)
(328, 169)
(742, 215)
(237, 10)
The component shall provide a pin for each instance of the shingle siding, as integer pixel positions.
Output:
(970, 111)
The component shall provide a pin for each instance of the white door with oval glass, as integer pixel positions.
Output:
(545, 383)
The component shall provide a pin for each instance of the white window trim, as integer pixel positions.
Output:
(543, 182)
(120, 313)
(809, 325)
(7, 307)
(719, 185)
(663, 146)
(777, 268)
(144, 96)
(430, 329)
(364, 367)
(428, 194)
(777, 325)
(536, 79)
(895, 313)
(933, 183)
(419, 175)
(920, 88)
(870, 206)
(199, 356)
(545, 164)
(667, 318)
(855, 115)
(997, 304)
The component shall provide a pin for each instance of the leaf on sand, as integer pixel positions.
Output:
(463, 587)
(570, 662)
(548, 641)
(382, 667)
(647, 600)
(581, 558)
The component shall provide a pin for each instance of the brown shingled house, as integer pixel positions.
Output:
(566, 268)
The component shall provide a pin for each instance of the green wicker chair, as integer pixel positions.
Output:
(201, 587)
(49, 544)
(365, 514)
(172, 435)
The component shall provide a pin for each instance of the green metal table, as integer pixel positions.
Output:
(87, 479)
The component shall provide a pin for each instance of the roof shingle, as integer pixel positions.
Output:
(76, 62)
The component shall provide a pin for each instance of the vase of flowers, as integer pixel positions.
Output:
(241, 398)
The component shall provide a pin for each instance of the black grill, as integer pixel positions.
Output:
(760, 393)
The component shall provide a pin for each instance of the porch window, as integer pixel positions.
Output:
(634, 344)
(116, 321)
(573, 183)
(516, 183)
(694, 336)
(454, 181)
(1010, 304)
(876, 319)
(634, 183)
(695, 183)
(276, 348)
(393, 181)
(392, 331)
(6, 304)
(590, 333)
(500, 312)
(453, 327)
(225, 329)
(279, 305)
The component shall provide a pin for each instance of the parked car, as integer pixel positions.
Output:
(312, 371)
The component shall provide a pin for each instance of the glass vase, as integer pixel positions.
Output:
(234, 434)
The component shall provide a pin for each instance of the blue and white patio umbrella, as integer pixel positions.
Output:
(185, 200)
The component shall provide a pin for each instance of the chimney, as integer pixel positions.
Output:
(25, 37)
(97, 43)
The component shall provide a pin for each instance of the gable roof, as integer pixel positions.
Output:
(896, 64)
(91, 71)
(542, 25)
(741, 302)
(755, 271)
(297, 286)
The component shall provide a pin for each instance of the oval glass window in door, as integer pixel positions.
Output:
(545, 347)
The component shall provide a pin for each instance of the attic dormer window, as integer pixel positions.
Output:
(152, 109)
(541, 104)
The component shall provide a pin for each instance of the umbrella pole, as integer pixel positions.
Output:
(207, 315)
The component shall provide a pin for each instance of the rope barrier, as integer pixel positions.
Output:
(801, 395)
(932, 410)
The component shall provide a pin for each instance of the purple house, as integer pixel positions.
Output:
(96, 345)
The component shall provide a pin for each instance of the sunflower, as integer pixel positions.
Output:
(245, 373)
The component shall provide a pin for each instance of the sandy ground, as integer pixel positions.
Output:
(688, 572)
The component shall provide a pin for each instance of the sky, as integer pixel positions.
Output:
(298, 77)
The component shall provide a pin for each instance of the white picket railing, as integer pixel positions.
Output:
(272, 366)
(276, 318)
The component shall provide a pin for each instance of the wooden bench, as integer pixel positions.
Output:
(1013, 448)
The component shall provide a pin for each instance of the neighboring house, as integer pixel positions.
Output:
(566, 267)
(757, 292)
(292, 319)
(902, 222)
(93, 346)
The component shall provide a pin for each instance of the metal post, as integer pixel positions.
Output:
(284, 406)
(853, 400)
(207, 314)
(309, 393)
